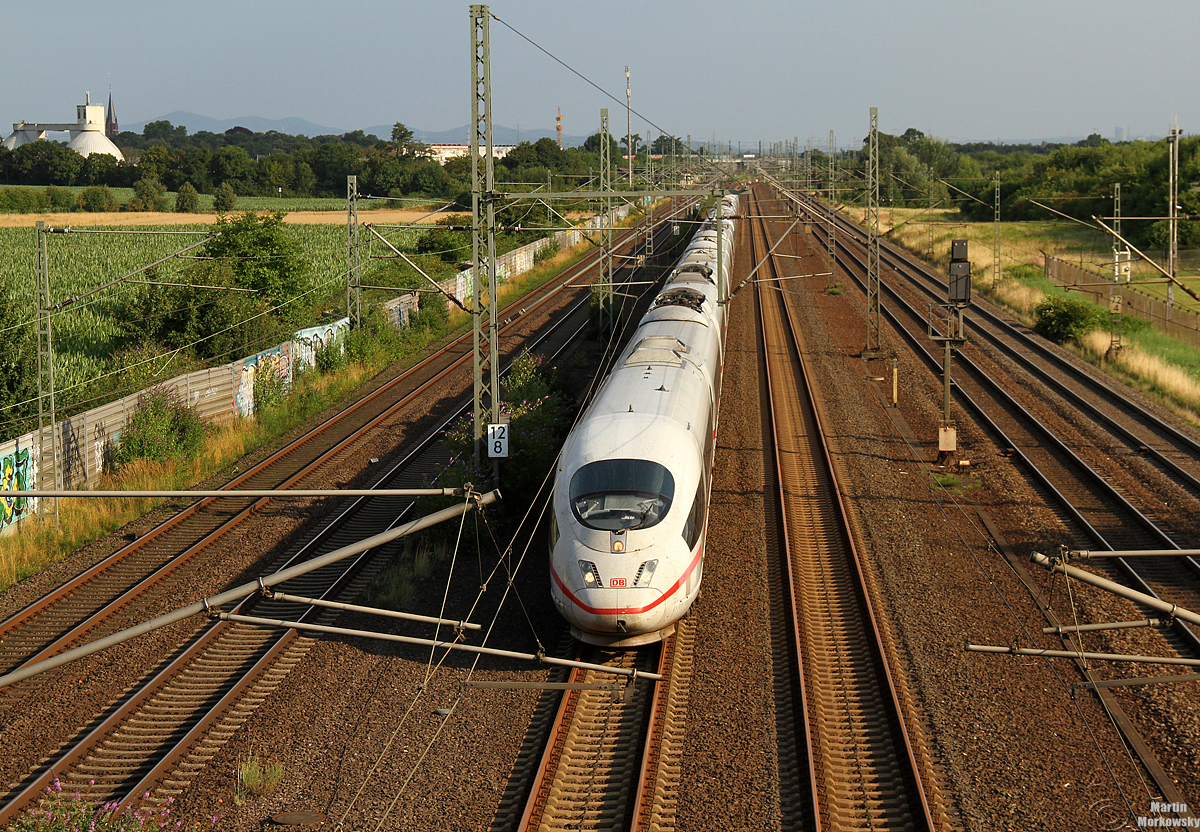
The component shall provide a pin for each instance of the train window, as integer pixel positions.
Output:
(695, 522)
(616, 494)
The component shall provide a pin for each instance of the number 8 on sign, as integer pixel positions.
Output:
(498, 441)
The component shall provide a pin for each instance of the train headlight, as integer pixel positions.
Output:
(645, 573)
(591, 577)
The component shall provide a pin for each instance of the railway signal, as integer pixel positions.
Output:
(948, 326)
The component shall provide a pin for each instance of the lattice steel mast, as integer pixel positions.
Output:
(47, 459)
(872, 347)
(483, 232)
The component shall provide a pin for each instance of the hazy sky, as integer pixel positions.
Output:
(732, 71)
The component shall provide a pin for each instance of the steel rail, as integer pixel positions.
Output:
(905, 804)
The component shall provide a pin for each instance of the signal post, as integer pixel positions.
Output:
(947, 325)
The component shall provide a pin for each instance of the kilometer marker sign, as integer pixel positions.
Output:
(497, 441)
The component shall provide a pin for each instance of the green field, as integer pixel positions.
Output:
(244, 203)
(81, 261)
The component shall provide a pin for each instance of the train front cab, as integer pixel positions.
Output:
(631, 561)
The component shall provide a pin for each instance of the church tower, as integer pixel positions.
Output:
(110, 123)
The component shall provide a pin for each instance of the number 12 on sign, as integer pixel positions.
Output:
(498, 441)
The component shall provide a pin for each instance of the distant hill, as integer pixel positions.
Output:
(462, 135)
(301, 127)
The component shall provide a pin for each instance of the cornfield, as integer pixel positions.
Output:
(80, 262)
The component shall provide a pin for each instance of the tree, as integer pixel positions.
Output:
(333, 162)
(204, 318)
(428, 178)
(154, 162)
(667, 146)
(164, 132)
(187, 201)
(224, 198)
(148, 195)
(232, 164)
(46, 163)
(98, 169)
(549, 154)
(521, 156)
(263, 257)
(98, 198)
(593, 144)
(401, 137)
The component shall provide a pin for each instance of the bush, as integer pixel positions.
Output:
(1062, 319)
(546, 252)
(148, 195)
(187, 201)
(23, 201)
(98, 198)
(60, 199)
(224, 198)
(270, 387)
(162, 427)
(330, 356)
(451, 246)
(538, 417)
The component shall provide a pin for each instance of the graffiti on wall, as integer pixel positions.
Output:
(276, 360)
(16, 473)
(308, 342)
(71, 447)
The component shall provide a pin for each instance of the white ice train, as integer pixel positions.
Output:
(633, 479)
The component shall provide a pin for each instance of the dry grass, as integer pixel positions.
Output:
(1018, 298)
(81, 520)
(1147, 372)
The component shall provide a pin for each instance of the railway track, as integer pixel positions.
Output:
(1092, 503)
(863, 771)
(1091, 500)
(164, 727)
(609, 759)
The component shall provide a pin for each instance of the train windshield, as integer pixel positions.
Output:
(615, 494)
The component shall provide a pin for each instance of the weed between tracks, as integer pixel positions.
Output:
(256, 778)
(60, 810)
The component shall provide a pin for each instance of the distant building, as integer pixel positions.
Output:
(111, 128)
(87, 133)
(443, 153)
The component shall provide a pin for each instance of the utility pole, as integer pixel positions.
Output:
(47, 459)
(831, 232)
(483, 232)
(353, 261)
(629, 126)
(953, 335)
(604, 286)
(1173, 212)
(872, 349)
(1121, 271)
(996, 228)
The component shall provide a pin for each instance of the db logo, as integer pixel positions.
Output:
(616, 583)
